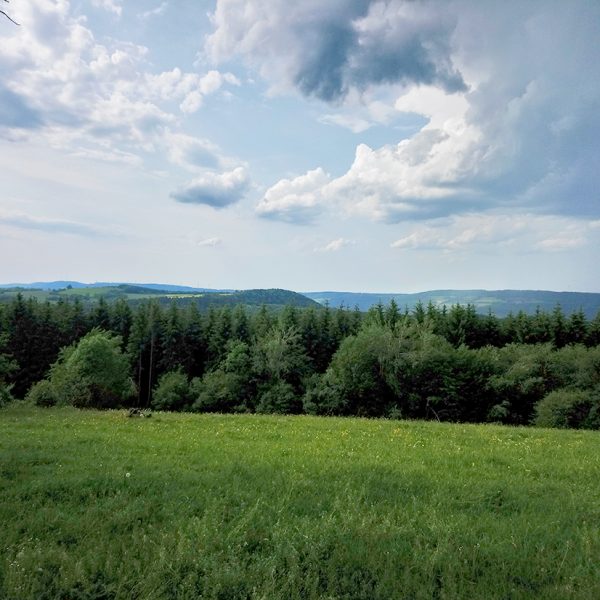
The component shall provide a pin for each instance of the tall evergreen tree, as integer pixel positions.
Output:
(138, 350)
(100, 316)
(392, 315)
(577, 328)
(419, 313)
(311, 336)
(172, 344)
(240, 327)
(194, 341)
(21, 324)
(593, 335)
(541, 327)
(121, 319)
(456, 332)
(559, 327)
(262, 322)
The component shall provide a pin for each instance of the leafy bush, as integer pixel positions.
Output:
(229, 388)
(5, 396)
(217, 391)
(172, 392)
(42, 394)
(564, 408)
(93, 373)
(279, 397)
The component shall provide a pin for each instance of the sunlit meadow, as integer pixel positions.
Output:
(98, 505)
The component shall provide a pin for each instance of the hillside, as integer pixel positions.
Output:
(500, 302)
(134, 294)
(96, 505)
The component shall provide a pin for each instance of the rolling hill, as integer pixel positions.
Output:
(135, 294)
(500, 302)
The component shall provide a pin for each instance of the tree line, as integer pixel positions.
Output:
(431, 362)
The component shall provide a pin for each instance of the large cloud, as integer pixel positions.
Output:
(525, 137)
(522, 136)
(61, 84)
(327, 48)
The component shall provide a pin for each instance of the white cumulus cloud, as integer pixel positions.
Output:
(294, 200)
(214, 189)
(521, 134)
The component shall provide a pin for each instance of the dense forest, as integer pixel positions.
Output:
(429, 363)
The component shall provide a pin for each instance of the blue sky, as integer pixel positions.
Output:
(356, 145)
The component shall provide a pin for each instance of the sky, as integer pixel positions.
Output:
(356, 145)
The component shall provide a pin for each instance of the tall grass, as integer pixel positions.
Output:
(96, 505)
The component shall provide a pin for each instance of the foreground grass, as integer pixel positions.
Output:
(95, 505)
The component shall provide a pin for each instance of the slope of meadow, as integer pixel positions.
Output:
(96, 505)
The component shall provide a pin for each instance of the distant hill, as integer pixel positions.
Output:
(501, 302)
(164, 294)
(59, 285)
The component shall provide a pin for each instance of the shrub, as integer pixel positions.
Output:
(323, 397)
(172, 392)
(5, 396)
(279, 397)
(94, 373)
(217, 391)
(42, 394)
(564, 408)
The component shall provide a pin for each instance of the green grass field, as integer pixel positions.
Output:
(96, 505)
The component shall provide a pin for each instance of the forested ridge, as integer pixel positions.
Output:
(429, 363)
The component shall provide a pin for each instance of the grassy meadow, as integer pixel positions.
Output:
(97, 505)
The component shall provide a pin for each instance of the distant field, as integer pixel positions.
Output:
(96, 505)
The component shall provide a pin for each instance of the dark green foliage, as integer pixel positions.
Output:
(173, 349)
(431, 363)
(356, 382)
(278, 397)
(564, 408)
(42, 393)
(593, 335)
(91, 374)
(240, 328)
(172, 392)
(217, 391)
(7, 367)
(121, 319)
(194, 341)
(559, 327)
(279, 356)
(577, 328)
(230, 387)
(100, 316)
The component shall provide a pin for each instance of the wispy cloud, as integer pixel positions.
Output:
(210, 242)
(113, 6)
(23, 221)
(491, 232)
(335, 245)
(155, 12)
